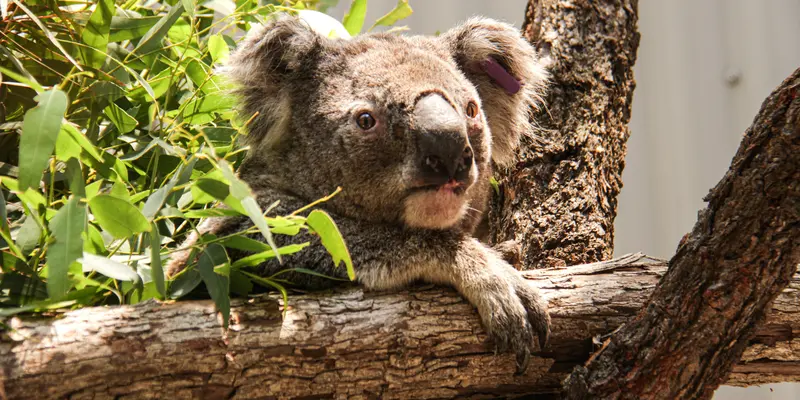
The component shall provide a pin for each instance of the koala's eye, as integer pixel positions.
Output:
(472, 109)
(365, 121)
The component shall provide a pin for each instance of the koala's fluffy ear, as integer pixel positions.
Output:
(488, 51)
(262, 69)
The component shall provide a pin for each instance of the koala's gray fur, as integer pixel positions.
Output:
(306, 91)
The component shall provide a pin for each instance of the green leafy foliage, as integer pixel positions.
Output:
(39, 133)
(118, 216)
(401, 11)
(354, 19)
(122, 140)
(66, 227)
(96, 33)
(322, 224)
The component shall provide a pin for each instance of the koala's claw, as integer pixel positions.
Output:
(515, 315)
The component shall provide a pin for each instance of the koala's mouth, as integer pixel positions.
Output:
(457, 188)
(435, 206)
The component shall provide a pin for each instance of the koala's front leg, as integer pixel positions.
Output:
(512, 311)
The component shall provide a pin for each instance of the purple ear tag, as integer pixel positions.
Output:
(501, 76)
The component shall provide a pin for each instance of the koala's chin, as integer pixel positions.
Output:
(436, 208)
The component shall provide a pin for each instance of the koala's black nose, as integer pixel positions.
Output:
(444, 152)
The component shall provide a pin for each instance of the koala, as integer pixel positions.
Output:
(409, 127)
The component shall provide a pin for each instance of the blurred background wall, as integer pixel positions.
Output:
(704, 67)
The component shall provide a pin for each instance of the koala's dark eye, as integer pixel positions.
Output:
(472, 109)
(365, 121)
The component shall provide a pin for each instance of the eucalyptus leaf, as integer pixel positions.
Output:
(121, 119)
(245, 243)
(3, 213)
(258, 258)
(156, 270)
(217, 284)
(75, 178)
(189, 6)
(108, 267)
(95, 34)
(354, 19)
(218, 48)
(39, 133)
(152, 39)
(242, 192)
(157, 199)
(118, 217)
(214, 189)
(332, 239)
(127, 28)
(184, 283)
(29, 233)
(67, 246)
(401, 11)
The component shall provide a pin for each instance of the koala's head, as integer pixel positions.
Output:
(405, 125)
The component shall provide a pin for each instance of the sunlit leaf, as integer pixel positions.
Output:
(118, 217)
(218, 48)
(120, 191)
(95, 34)
(39, 134)
(121, 119)
(67, 246)
(401, 11)
(78, 137)
(189, 6)
(157, 199)
(108, 267)
(258, 258)
(242, 192)
(246, 244)
(332, 239)
(31, 197)
(152, 39)
(93, 241)
(354, 19)
(66, 148)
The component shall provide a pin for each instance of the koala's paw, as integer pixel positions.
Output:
(514, 313)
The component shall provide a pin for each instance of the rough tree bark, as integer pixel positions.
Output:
(741, 253)
(425, 343)
(560, 200)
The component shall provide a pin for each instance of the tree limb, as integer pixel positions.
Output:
(425, 343)
(742, 252)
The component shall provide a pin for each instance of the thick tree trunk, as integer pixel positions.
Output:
(742, 252)
(426, 343)
(560, 200)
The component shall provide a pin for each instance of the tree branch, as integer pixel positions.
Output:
(742, 252)
(426, 343)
